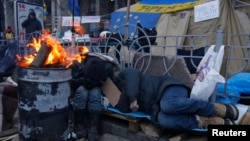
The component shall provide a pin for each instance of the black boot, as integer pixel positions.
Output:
(79, 128)
(93, 125)
(227, 111)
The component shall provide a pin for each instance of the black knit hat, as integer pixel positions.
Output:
(94, 69)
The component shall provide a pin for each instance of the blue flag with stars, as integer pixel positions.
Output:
(118, 19)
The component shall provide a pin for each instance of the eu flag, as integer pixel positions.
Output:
(73, 5)
(118, 19)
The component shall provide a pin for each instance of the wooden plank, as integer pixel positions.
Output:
(128, 118)
(151, 129)
(133, 123)
(41, 56)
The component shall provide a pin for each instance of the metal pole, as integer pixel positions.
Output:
(97, 8)
(127, 21)
(116, 4)
(53, 14)
(5, 14)
(73, 15)
(1, 19)
(219, 39)
(219, 42)
(73, 27)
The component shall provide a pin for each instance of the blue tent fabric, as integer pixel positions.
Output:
(138, 114)
(118, 19)
(131, 114)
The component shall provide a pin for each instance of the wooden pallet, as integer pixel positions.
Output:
(133, 123)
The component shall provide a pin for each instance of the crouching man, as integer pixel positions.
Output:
(86, 101)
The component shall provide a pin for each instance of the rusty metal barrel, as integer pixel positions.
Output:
(43, 103)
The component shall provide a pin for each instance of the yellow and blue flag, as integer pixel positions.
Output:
(73, 5)
(165, 6)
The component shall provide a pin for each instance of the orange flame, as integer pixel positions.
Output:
(57, 56)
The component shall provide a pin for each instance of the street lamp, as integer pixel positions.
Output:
(1, 4)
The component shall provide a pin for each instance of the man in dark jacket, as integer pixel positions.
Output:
(88, 78)
(32, 26)
(167, 100)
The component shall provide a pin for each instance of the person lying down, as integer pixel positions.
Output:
(165, 98)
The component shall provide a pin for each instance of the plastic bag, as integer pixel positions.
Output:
(208, 75)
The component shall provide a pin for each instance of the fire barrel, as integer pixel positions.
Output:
(43, 103)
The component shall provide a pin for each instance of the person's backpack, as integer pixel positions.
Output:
(9, 36)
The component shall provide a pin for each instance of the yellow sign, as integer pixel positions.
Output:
(165, 8)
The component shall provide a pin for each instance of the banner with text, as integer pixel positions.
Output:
(207, 11)
(90, 19)
(68, 21)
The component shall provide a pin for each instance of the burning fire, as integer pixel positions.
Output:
(46, 51)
